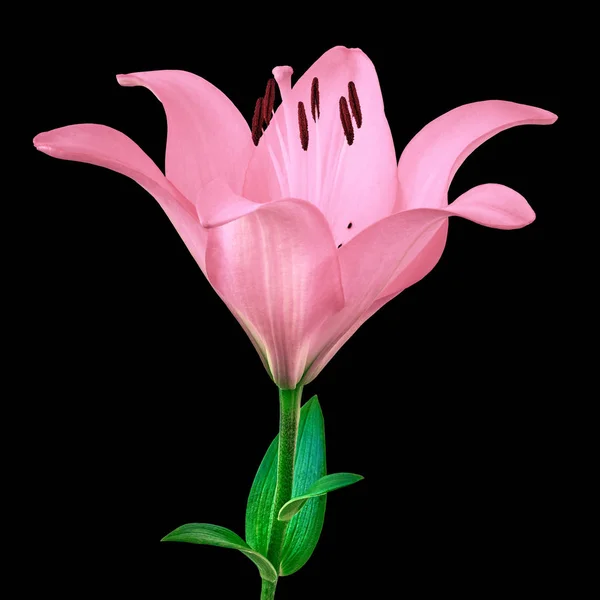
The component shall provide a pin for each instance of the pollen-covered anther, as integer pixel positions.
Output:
(257, 121)
(354, 104)
(346, 120)
(303, 126)
(268, 103)
(315, 107)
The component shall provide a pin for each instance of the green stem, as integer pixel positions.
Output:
(289, 403)
(267, 591)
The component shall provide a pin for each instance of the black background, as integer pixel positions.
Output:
(155, 409)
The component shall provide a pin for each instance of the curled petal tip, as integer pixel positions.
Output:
(527, 217)
(493, 205)
(127, 80)
(519, 114)
(40, 142)
(545, 117)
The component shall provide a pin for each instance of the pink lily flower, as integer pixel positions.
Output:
(304, 224)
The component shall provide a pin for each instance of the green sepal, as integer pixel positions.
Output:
(326, 484)
(213, 535)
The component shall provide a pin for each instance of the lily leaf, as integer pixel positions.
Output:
(304, 529)
(260, 501)
(326, 484)
(213, 535)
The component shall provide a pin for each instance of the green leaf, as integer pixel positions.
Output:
(213, 535)
(260, 501)
(304, 529)
(326, 484)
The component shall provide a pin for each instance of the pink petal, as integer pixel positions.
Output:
(350, 184)
(368, 263)
(217, 204)
(491, 204)
(400, 250)
(207, 135)
(433, 156)
(422, 264)
(319, 362)
(107, 147)
(277, 270)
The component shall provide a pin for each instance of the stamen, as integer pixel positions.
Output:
(257, 120)
(346, 121)
(268, 102)
(354, 104)
(315, 107)
(303, 125)
(339, 245)
(349, 225)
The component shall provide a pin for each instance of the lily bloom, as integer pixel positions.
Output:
(303, 223)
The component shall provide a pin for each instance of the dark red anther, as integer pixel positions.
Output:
(346, 121)
(315, 107)
(303, 126)
(268, 101)
(354, 104)
(257, 121)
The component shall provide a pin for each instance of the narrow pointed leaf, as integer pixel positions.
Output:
(326, 484)
(260, 501)
(213, 535)
(304, 529)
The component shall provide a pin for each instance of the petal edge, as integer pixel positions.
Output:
(277, 269)
(207, 135)
(106, 147)
(431, 159)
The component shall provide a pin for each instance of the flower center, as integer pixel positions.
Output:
(307, 158)
(263, 111)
